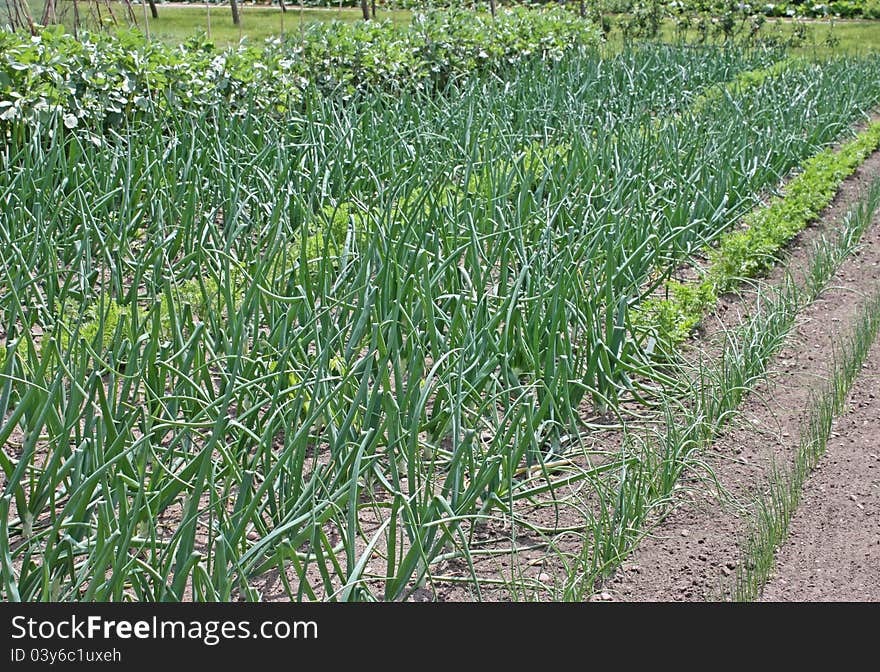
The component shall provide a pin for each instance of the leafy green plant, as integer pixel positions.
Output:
(101, 79)
(355, 328)
(747, 252)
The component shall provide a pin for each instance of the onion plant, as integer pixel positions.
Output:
(322, 345)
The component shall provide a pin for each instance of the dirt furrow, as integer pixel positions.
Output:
(833, 549)
(692, 555)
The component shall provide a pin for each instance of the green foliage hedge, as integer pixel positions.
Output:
(103, 79)
(845, 9)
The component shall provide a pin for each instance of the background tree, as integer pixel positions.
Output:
(74, 14)
(18, 15)
(49, 13)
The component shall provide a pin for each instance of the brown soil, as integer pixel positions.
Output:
(675, 563)
(833, 550)
(692, 554)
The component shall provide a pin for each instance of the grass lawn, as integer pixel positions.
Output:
(176, 23)
(852, 36)
(179, 22)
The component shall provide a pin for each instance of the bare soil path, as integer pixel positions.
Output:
(833, 549)
(692, 554)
